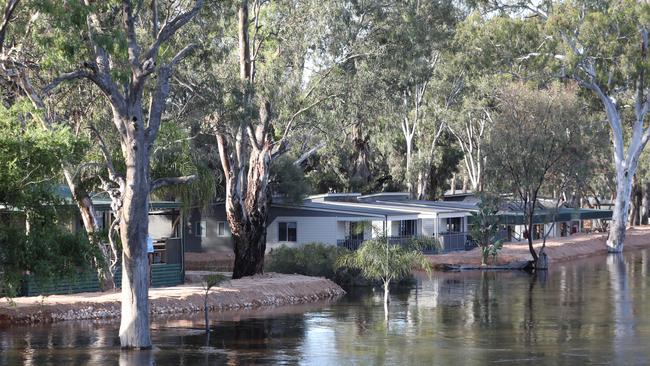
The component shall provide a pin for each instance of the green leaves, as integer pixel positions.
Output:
(379, 260)
(606, 34)
(484, 226)
(33, 158)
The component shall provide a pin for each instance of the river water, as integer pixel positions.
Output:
(592, 311)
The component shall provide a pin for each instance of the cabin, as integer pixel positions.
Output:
(343, 219)
(348, 219)
(166, 222)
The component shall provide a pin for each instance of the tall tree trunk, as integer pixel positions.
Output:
(619, 214)
(247, 193)
(134, 227)
(409, 157)
(453, 183)
(635, 205)
(529, 212)
(645, 204)
(360, 171)
(87, 212)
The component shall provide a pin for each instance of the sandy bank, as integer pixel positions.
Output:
(270, 289)
(558, 249)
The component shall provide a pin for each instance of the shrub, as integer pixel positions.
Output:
(47, 253)
(428, 245)
(313, 259)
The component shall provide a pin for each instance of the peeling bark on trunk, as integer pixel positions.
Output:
(619, 215)
(247, 197)
(134, 227)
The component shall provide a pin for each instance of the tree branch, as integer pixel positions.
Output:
(113, 174)
(170, 28)
(78, 74)
(164, 182)
(289, 125)
(161, 91)
(10, 7)
(308, 154)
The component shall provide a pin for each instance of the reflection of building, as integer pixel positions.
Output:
(347, 219)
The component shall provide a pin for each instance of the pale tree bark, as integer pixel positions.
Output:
(423, 181)
(625, 162)
(626, 159)
(137, 135)
(409, 126)
(470, 136)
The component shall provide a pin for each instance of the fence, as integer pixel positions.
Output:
(444, 242)
(162, 275)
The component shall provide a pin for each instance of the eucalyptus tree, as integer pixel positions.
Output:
(414, 55)
(281, 73)
(487, 50)
(120, 48)
(604, 46)
(21, 77)
(535, 137)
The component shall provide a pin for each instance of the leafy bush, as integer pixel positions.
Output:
(429, 245)
(313, 259)
(47, 253)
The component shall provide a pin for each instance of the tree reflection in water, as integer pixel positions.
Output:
(624, 323)
(595, 311)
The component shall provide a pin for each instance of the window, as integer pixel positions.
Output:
(200, 229)
(454, 224)
(356, 230)
(287, 231)
(223, 229)
(407, 227)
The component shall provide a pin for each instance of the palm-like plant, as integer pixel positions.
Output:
(377, 259)
(485, 228)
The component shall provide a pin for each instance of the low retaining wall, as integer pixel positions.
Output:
(263, 290)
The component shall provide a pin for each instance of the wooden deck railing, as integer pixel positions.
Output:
(443, 242)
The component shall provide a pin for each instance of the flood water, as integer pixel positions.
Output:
(594, 311)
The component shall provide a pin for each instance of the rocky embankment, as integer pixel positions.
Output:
(270, 289)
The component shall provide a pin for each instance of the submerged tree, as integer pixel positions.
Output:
(535, 136)
(604, 46)
(377, 259)
(120, 47)
(485, 227)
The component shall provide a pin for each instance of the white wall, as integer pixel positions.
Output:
(308, 230)
(427, 226)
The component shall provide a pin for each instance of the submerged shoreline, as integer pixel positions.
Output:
(267, 290)
(558, 250)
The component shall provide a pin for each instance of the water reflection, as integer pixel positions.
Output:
(593, 311)
(137, 358)
(624, 322)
